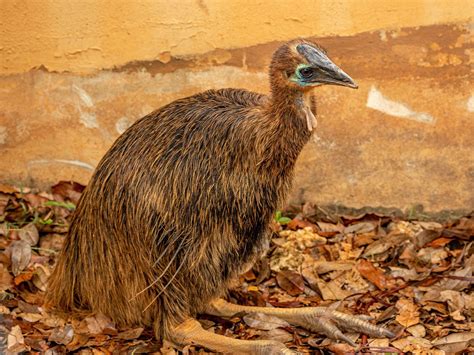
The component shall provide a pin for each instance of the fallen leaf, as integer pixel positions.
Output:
(322, 267)
(383, 244)
(40, 277)
(332, 290)
(264, 321)
(68, 190)
(16, 341)
(292, 282)
(440, 242)
(99, 324)
(408, 313)
(130, 334)
(417, 331)
(375, 275)
(20, 256)
(28, 308)
(297, 223)
(278, 334)
(432, 255)
(8, 189)
(52, 321)
(29, 234)
(359, 228)
(341, 349)
(6, 280)
(413, 345)
(51, 242)
(78, 341)
(364, 239)
(379, 343)
(426, 236)
(24, 276)
(405, 274)
(457, 284)
(454, 343)
(30, 317)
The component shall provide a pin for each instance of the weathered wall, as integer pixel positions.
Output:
(74, 75)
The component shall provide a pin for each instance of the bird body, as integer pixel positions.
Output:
(183, 199)
(193, 186)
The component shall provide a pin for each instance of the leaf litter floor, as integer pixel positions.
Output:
(414, 277)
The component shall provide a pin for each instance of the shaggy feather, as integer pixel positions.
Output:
(182, 201)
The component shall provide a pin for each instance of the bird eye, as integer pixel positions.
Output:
(306, 72)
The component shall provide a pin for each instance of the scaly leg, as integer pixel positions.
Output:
(316, 319)
(190, 332)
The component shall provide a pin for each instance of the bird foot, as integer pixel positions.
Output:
(190, 332)
(332, 323)
(317, 319)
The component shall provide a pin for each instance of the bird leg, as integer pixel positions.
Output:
(190, 332)
(317, 319)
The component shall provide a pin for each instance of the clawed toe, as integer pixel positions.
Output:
(331, 323)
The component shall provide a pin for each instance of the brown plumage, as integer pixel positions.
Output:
(184, 197)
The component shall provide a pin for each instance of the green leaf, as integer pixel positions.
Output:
(46, 221)
(277, 215)
(284, 220)
(68, 205)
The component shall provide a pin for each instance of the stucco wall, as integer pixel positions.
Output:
(74, 75)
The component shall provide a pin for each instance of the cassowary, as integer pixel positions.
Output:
(182, 202)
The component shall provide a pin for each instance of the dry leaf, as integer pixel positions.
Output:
(130, 334)
(291, 282)
(30, 317)
(16, 341)
(68, 190)
(413, 345)
(264, 321)
(8, 189)
(29, 234)
(277, 334)
(456, 284)
(417, 331)
(432, 255)
(99, 324)
(20, 256)
(383, 244)
(78, 341)
(40, 277)
(297, 223)
(52, 321)
(408, 313)
(62, 335)
(6, 280)
(454, 343)
(51, 241)
(405, 274)
(375, 275)
(426, 236)
(379, 343)
(322, 267)
(332, 290)
(360, 228)
(341, 349)
(24, 276)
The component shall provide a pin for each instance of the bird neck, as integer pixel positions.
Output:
(287, 125)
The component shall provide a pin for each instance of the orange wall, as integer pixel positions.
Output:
(75, 74)
(86, 35)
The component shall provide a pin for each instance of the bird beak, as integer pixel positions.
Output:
(336, 76)
(327, 71)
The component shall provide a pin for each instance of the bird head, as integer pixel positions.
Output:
(304, 65)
